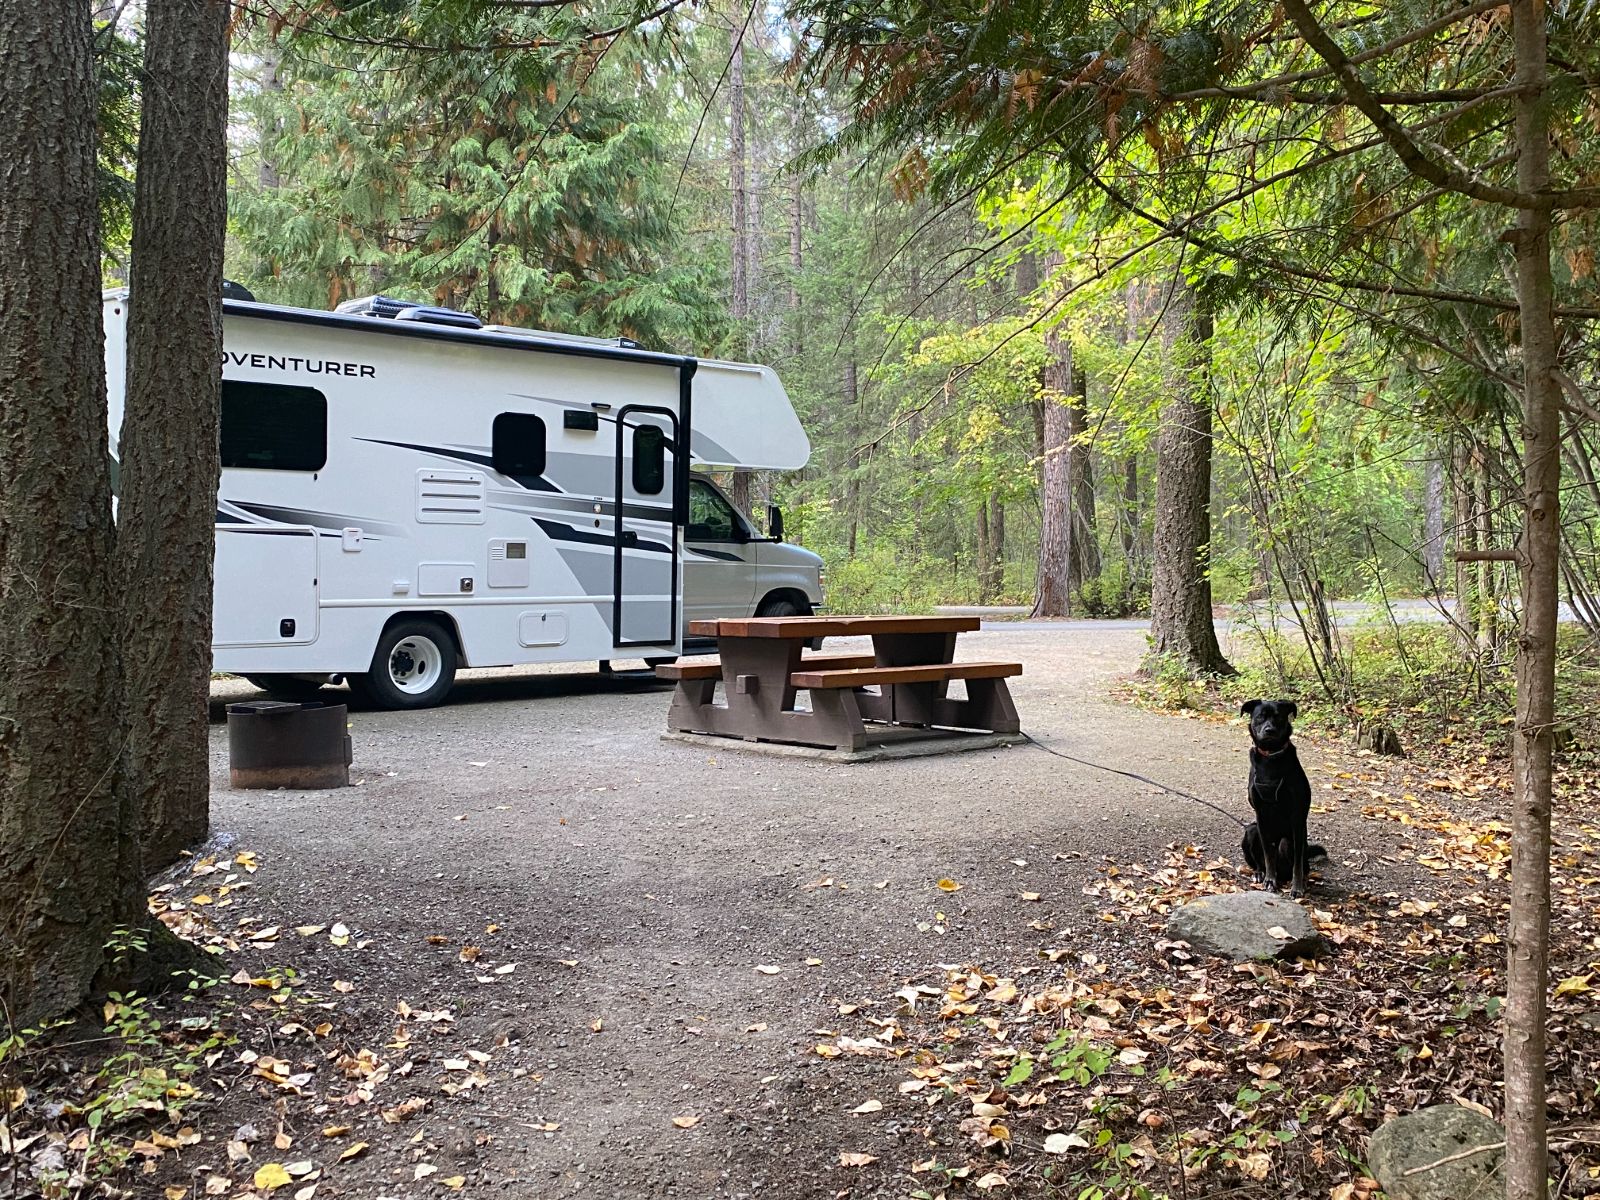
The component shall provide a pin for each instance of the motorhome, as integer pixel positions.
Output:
(407, 491)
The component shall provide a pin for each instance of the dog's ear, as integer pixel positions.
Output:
(1249, 706)
(1294, 709)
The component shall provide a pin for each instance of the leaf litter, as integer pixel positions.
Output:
(1128, 1064)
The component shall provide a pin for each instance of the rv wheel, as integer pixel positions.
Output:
(782, 606)
(413, 666)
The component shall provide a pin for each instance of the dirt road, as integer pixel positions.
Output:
(637, 885)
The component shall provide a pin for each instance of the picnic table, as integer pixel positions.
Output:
(763, 666)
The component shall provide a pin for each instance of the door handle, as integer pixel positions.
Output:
(629, 537)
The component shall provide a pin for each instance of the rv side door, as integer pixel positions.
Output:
(645, 566)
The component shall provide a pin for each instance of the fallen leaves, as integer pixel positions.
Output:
(769, 970)
(271, 1176)
(687, 1121)
(1298, 1058)
(1574, 985)
(948, 885)
(1064, 1143)
(852, 1158)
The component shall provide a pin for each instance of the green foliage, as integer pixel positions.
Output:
(878, 579)
(117, 65)
(141, 1075)
(526, 187)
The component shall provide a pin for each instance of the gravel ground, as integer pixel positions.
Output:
(547, 805)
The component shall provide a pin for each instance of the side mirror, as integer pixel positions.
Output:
(775, 522)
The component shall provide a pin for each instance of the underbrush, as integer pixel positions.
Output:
(89, 1101)
(1442, 702)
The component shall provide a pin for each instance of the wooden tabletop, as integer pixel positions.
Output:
(815, 627)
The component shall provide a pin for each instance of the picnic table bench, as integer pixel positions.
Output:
(763, 666)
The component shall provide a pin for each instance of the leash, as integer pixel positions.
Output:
(1084, 762)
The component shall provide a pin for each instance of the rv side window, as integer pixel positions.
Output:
(273, 427)
(649, 460)
(518, 444)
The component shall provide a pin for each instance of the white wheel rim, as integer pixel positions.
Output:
(415, 664)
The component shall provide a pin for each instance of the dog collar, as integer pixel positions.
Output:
(1260, 753)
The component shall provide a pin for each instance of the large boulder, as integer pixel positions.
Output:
(1245, 925)
(1424, 1139)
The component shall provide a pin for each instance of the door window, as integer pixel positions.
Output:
(649, 460)
(711, 517)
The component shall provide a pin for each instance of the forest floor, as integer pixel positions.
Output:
(537, 951)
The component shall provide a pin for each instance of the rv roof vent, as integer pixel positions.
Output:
(375, 306)
(439, 316)
(408, 310)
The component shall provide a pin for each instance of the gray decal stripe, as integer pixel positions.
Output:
(722, 555)
(534, 483)
(543, 502)
(566, 533)
(336, 522)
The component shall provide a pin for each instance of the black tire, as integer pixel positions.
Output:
(406, 648)
(783, 606)
(289, 688)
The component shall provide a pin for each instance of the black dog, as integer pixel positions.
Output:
(1275, 843)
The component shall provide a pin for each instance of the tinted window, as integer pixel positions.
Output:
(710, 516)
(518, 444)
(649, 460)
(273, 427)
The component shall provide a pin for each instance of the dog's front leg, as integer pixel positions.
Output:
(1297, 884)
(1269, 873)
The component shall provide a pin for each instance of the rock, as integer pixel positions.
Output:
(1424, 1137)
(1237, 926)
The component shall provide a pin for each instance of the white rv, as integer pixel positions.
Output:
(406, 491)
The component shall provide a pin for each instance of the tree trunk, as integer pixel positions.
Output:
(1130, 513)
(797, 217)
(1054, 595)
(268, 134)
(1027, 277)
(1084, 563)
(852, 500)
(1180, 601)
(1488, 595)
(739, 490)
(167, 512)
(1433, 526)
(985, 553)
(1528, 940)
(737, 181)
(1466, 530)
(60, 825)
(997, 546)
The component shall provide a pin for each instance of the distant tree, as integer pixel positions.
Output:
(1053, 597)
(1181, 627)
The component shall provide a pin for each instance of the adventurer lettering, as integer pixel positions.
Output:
(311, 366)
